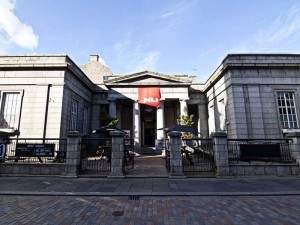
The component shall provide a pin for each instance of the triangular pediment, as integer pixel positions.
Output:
(148, 78)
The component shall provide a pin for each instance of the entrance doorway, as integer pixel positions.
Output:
(149, 133)
(148, 125)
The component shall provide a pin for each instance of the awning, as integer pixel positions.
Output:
(149, 96)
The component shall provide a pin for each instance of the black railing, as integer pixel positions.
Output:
(128, 154)
(198, 155)
(166, 145)
(36, 150)
(95, 154)
(260, 150)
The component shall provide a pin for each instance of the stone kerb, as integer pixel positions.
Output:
(117, 155)
(176, 170)
(221, 153)
(73, 154)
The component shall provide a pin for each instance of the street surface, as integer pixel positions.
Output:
(63, 210)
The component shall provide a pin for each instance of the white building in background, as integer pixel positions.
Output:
(248, 96)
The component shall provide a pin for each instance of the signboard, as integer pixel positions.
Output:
(149, 96)
(260, 151)
(35, 150)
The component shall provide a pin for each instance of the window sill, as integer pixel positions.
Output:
(287, 131)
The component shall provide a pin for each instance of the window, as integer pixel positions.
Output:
(211, 119)
(222, 114)
(10, 108)
(287, 110)
(85, 120)
(74, 111)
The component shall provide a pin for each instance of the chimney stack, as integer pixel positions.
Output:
(94, 57)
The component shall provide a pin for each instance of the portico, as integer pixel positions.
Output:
(143, 120)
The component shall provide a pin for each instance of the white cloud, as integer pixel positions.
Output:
(13, 30)
(174, 16)
(177, 9)
(147, 61)
(282, 28)
(134, 57)
(270, 38)
(101, 60)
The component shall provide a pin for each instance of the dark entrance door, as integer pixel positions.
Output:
(148, 120)
(149, 134)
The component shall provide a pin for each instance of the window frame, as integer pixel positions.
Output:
(17, 107)
(74, 115)
(288, 117)
(85, 120)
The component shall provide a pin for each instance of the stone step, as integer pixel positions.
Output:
(148, 151)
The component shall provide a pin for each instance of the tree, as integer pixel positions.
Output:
(107, 120)
(186, 120)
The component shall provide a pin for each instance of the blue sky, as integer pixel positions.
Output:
(168, 36)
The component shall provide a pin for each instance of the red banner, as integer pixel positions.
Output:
(149, 96)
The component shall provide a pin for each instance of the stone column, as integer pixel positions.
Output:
(160, 122)
(136, 124)
(112, 108)
(221, 153)
(117, 155)
(73, 154)
(295, 146)
(175, 155)
(183, 105)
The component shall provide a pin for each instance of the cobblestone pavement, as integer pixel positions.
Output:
(149, 186)
(149, 210)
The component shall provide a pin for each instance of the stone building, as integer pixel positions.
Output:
(248, 96)
(255, 96)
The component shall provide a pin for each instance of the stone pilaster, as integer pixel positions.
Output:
(175, 155)
(221, 153)
(73, 154)
(203, 120)
(295, 146)
(117, 155)
(112, 108)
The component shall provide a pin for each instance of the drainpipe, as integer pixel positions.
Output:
(46, 112)
(20, 115)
